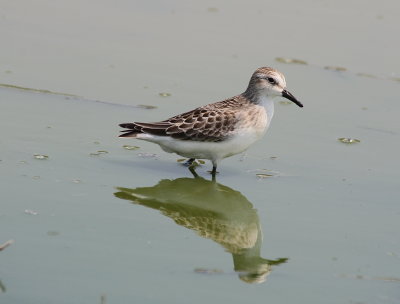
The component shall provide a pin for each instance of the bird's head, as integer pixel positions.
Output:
(269, 82)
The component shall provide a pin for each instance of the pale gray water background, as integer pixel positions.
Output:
(332, 209)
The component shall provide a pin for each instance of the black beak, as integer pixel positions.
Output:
(289, 96)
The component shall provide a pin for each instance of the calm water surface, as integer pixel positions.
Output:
(300, 218)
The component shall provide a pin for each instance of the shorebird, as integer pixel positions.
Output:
(221, 129)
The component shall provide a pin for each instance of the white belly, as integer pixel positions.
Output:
(205, 150)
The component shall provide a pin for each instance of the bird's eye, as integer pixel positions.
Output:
(271, 80)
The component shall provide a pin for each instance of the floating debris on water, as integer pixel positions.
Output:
(366, 75)
(30, 212)
(285, 102)
(100, 152)
(147, 107)
(395, 78)
(273, 157)
(208, 271)
(263, 175)
(129, 147)
(347, 140)
(41, 156)
(76, 181)
(147, 155)
(290, 60)
(164, 94)
(335, 68)
(212, 10)
(6, 244)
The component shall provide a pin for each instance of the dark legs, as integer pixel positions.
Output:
(214, 172)
(191, 165)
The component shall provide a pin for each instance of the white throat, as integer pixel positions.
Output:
(268, 103)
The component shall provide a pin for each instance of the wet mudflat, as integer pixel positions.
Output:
(308, 215)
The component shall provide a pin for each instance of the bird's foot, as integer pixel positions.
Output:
(189, 162)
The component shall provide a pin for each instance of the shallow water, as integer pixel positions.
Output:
(301, 217)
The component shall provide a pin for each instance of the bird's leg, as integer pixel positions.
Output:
(214, 169)
(189, 162)
(213, 173)
(193, 171)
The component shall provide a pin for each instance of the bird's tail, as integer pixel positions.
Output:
(132, 130)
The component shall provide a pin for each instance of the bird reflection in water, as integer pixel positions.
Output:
(214, 211)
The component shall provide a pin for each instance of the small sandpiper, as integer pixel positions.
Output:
(221, 129)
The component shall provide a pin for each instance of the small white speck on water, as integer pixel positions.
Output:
(76, 181)
(41, 156)
(164, 94)
(30, 212)
(147, 155)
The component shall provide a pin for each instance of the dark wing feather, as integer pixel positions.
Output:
(211, 123)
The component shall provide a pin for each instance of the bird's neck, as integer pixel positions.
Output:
(261, 100)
